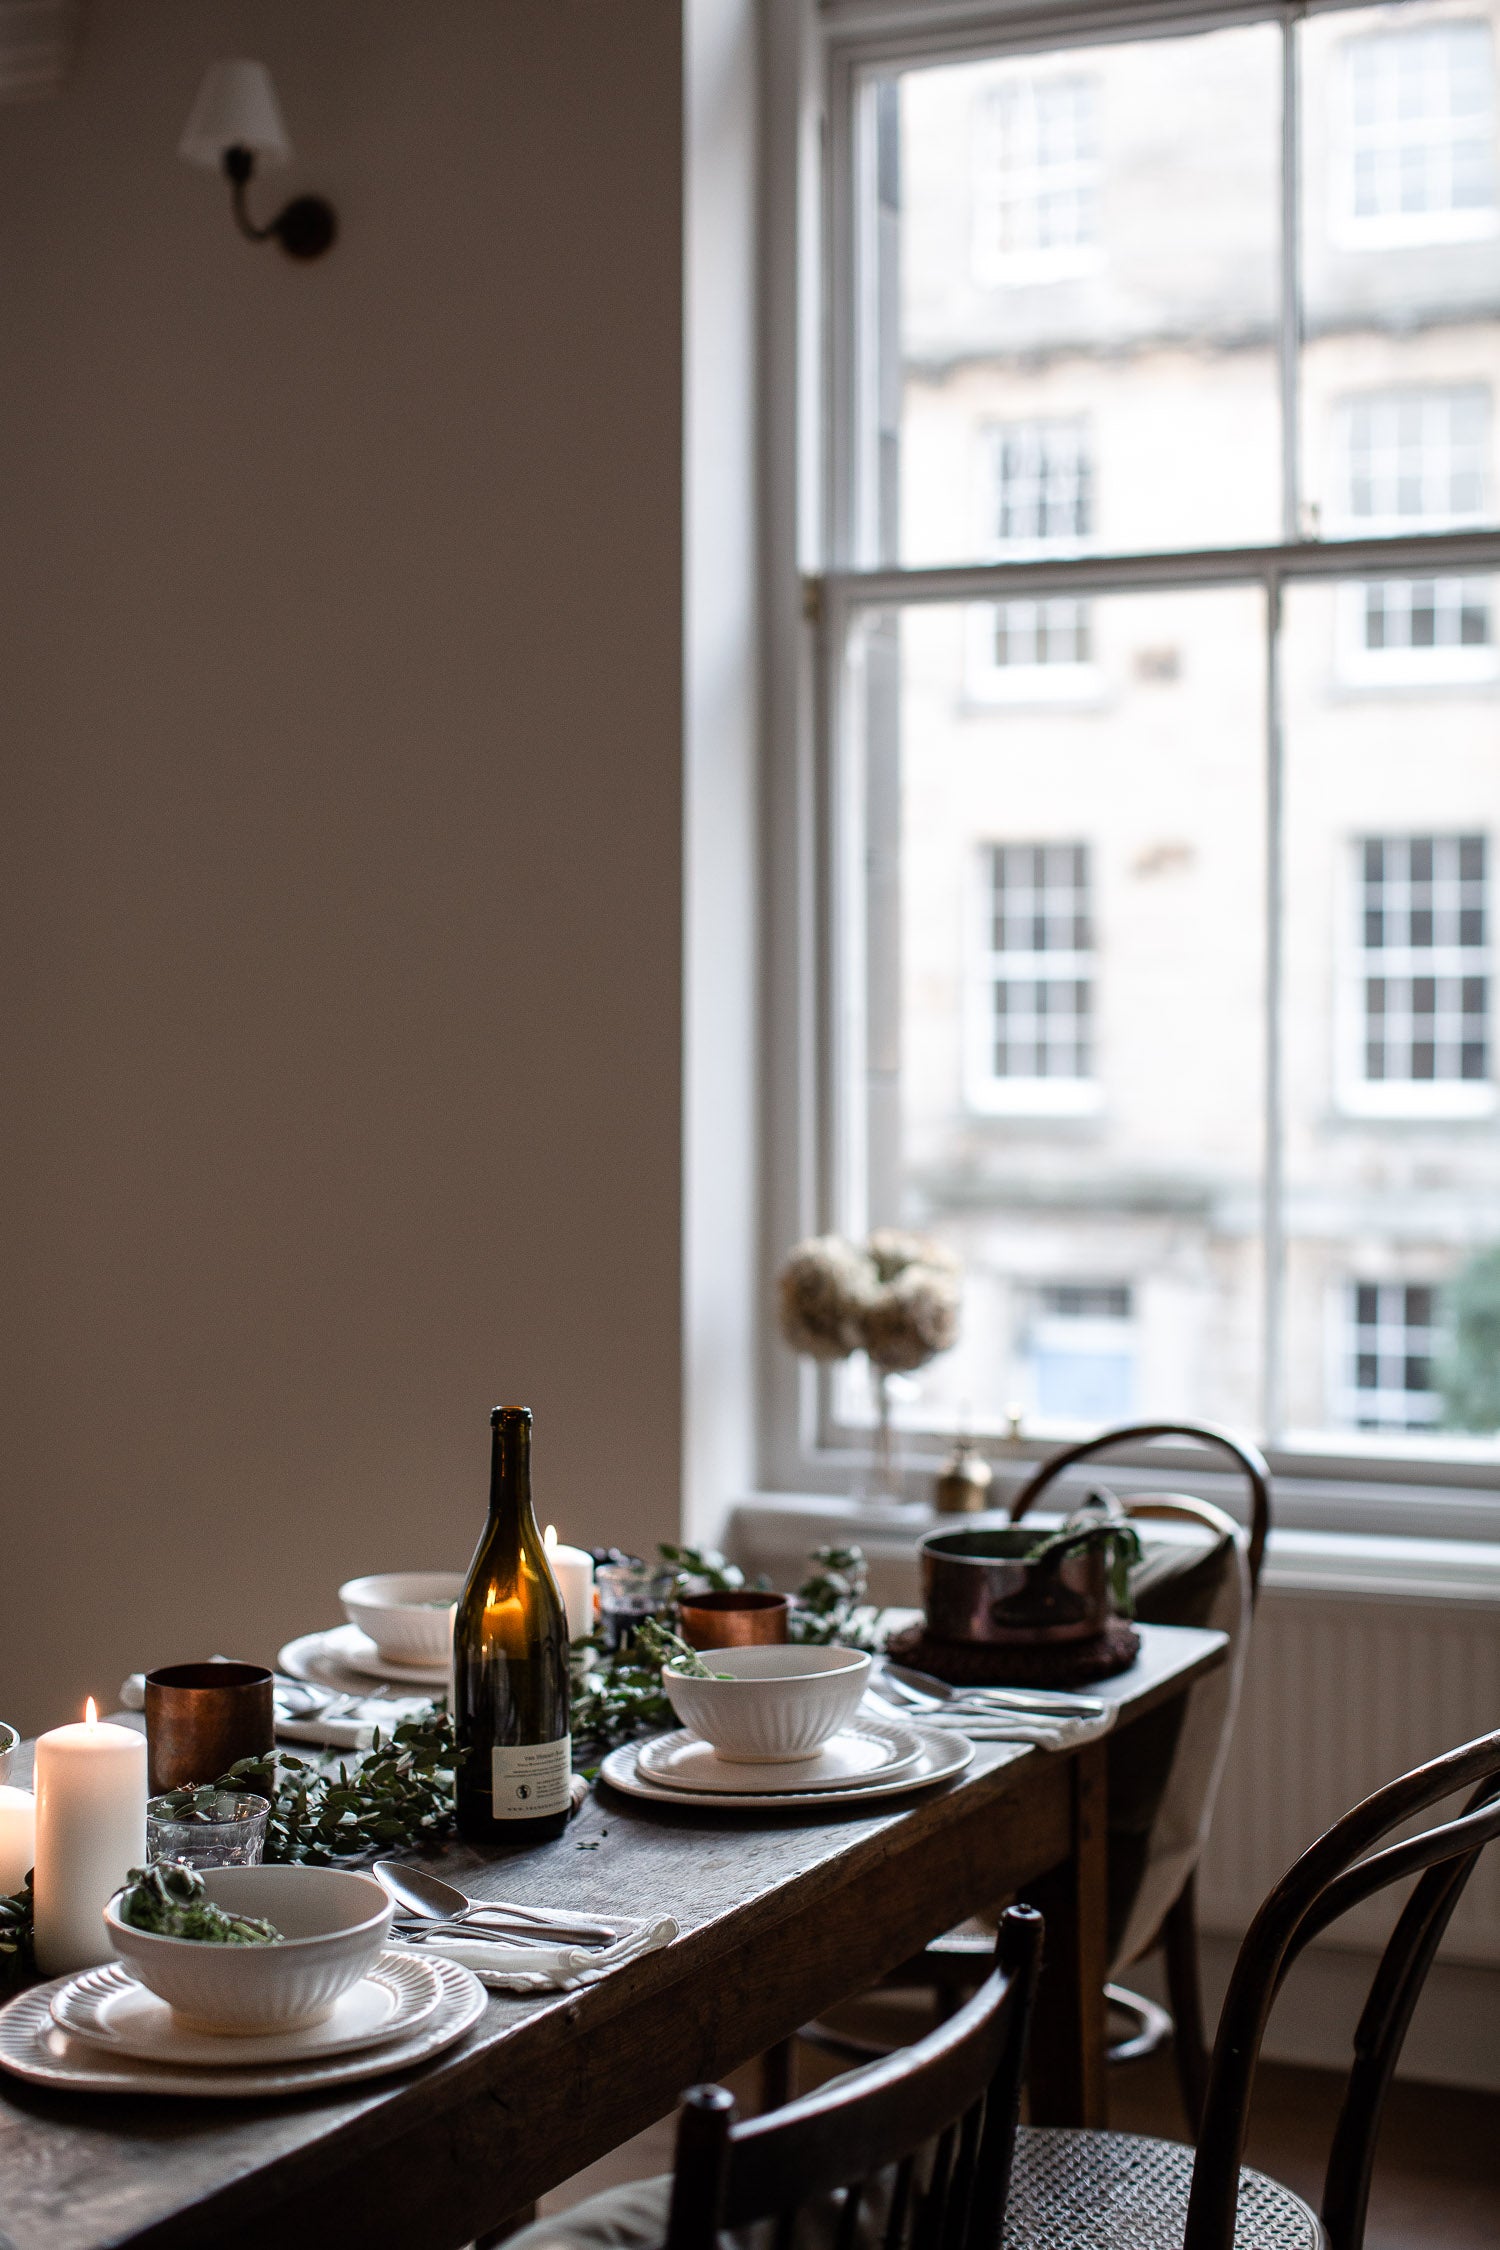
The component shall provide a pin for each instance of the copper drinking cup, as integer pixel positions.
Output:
(743, 1619)
(201, 1719)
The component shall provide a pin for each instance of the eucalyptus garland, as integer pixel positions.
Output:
(398, 1795)
(17, 1962)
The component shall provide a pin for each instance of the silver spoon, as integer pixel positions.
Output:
(428, 1898)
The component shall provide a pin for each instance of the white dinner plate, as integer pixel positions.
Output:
(867, 1749)
(35, 2048)
(110, 2009)
(942, 1756)
(343, 1656)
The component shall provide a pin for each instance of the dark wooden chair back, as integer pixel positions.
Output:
(1247, 1458)
(1338, 1872)
(955, 2094)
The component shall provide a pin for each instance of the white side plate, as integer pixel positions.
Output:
(109, 2008)
(942, 1756)
(35, 2048)
(866, 1750)
(343, 1656)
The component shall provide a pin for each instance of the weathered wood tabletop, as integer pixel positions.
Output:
(781, 1915)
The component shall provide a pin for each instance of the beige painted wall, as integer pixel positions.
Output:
(340, 839)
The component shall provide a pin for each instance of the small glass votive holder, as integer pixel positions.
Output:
(219, 1828)
(628, 1593)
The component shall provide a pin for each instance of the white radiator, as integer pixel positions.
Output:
(1342, 1693)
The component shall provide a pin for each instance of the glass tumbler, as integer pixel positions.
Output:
(222, 1829)
(628, 1592)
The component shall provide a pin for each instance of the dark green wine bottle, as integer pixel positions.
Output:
(510, 1664)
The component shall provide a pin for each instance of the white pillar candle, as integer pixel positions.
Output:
(574, 1572)
(90, 1831)
(17, 1839)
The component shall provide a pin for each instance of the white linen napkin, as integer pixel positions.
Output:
(350, 1725)
(996, 1724)
(508, 1966)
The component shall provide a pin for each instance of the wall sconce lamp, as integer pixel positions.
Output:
(236, 121)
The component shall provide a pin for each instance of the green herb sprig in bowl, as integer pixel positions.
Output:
(169, 1900)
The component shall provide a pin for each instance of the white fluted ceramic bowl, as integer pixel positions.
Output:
(333, 1925)
(8, 1741)
(396, 1612)
(778, 1702)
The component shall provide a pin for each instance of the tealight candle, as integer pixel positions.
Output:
(90, 1832)
(574, 1572)
(17, 1838)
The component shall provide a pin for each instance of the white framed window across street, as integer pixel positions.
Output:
(1032, 1005)
(1036, 177)
(1037, 491)
(1137, 955)
(1416, 135)
(1389, 1351)
(1421, 1001)
(1410, 458)
(1080, 1347)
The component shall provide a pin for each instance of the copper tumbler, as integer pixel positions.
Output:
(736, 1620)
(203, 1718)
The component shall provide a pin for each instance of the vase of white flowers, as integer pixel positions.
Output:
(895, 1298)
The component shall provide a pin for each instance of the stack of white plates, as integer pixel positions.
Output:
(102, 2032)
(869, 1757)
(346, 1659)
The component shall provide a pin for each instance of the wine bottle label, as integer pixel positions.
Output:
(531, 1780)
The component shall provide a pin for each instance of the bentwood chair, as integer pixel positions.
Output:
(1070, 2188)
(911, 2153)
(1162, 1773)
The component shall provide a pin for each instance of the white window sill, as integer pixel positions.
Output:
(1443, 1101)
(1415, 230)
(1036, 1097)
(777, 1531)
(1419, 668)
(1005, 686)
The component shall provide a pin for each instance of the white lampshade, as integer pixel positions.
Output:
(236, 108)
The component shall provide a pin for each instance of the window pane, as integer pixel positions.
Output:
(1060, 1070)
(1391, 1060)
(1401, 276)
(1066, 349)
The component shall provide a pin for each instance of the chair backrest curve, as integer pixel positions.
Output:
(1248, 1458)
(1331, 1876)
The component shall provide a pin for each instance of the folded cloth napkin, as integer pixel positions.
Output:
(994, 1723)
(507, 1964)
(319, 1716)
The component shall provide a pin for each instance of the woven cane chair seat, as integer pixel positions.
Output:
(1120, 2191)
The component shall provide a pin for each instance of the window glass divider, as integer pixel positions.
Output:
(1273, 1219)
(1397, 554)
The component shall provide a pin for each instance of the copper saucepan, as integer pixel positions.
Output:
(977, 1586)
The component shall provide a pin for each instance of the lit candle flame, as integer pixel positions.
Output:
(91, 1713)
(549, 1536)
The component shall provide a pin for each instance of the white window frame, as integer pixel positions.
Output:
(1344, 1324)
(1386, 230)
(1439, 1099)
(1080, 1333)
(1070, 680)
(1074, 680)
(1444, 664)
(825, 571)
(986, 1091)
(997, 183)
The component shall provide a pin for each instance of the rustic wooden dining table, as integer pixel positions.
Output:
(780, 1916)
